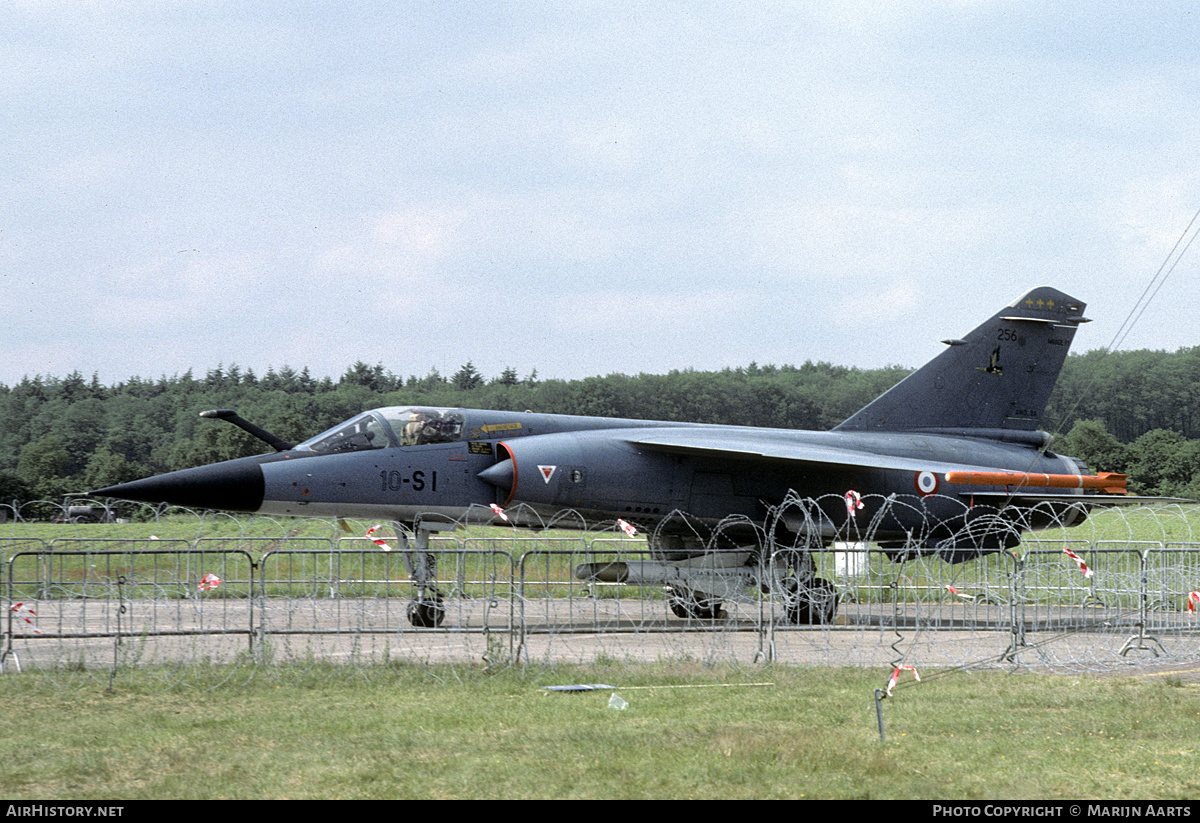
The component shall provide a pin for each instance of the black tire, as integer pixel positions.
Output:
(426, 614)
(686, 605)
(816, 605)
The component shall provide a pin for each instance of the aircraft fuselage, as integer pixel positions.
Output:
(537, 465)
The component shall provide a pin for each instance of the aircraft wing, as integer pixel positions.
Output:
(751, 446)
(755, 447)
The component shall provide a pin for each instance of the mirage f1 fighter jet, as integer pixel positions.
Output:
(950, 461)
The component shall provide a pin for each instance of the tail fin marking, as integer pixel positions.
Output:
(998, 377)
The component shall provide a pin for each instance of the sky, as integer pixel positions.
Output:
(582, 188)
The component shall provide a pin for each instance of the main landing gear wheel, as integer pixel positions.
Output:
(813, 604)
(686, 603)
(807, 599)
(426, 614)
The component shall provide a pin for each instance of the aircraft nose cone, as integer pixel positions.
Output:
(235, 485)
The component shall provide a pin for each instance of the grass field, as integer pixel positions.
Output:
(398, 731)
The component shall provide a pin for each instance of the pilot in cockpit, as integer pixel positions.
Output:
(430, 426)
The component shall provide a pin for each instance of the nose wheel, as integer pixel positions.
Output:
(426, 614)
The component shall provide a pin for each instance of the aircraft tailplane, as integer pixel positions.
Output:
(998, 377)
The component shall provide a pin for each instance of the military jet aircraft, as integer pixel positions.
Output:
(950, 461)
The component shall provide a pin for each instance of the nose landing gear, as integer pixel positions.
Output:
(428, 610)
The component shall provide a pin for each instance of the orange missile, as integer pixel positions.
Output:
(1105, 481)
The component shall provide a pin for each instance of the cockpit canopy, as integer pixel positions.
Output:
(388, 427)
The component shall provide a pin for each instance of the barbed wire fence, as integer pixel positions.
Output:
(173, 591)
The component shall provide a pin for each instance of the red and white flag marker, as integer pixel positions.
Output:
(1193, 601)
(627, 528)
(378, 541)
(209, 581)
(896, 676)
(500, 512)
(1082, 566)
(26, 613)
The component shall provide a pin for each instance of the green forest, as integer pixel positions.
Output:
(1134, 412)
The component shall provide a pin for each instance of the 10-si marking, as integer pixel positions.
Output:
(395, 481)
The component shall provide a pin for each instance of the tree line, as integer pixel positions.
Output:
(1131, 412)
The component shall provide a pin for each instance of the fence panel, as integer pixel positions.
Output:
(1172, 573)
(357, 601)
(630, 604)
(889, 606)
(1084, 601)
(90, 606)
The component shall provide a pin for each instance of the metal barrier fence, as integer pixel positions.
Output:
(91, 602)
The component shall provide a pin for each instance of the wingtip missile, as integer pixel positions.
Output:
(1108, 482)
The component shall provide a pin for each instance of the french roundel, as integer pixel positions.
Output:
(927, 482)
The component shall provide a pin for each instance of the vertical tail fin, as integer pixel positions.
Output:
(998, 377)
